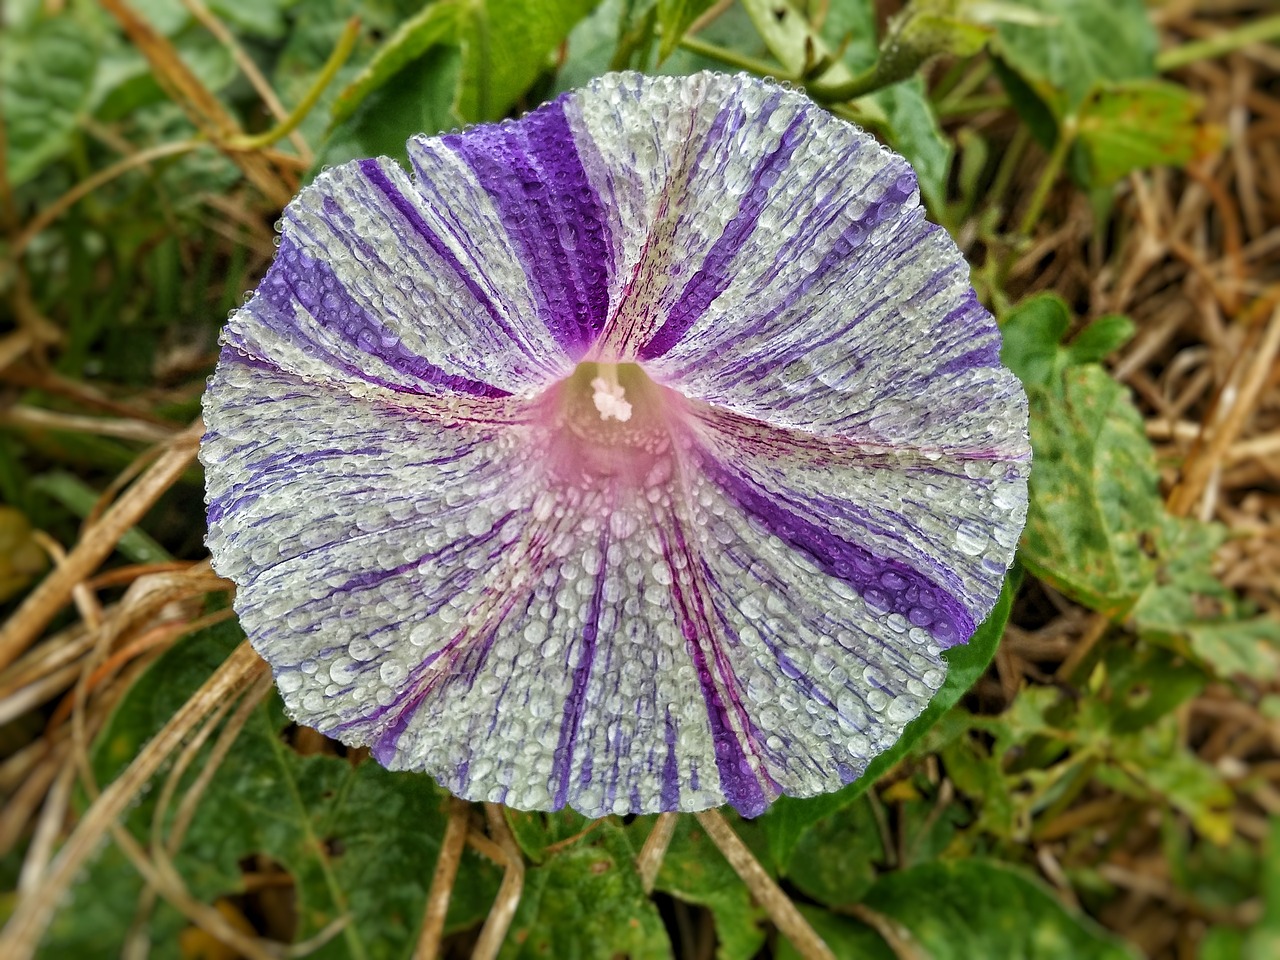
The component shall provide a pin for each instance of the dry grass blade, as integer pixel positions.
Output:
(32, 913)
(1240, 406)
(204, 109)
(96, 545)
(442, 881)
(655, 850)
(504, 851)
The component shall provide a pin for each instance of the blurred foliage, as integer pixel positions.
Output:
(139, 273)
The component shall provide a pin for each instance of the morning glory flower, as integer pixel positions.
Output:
(642, 454)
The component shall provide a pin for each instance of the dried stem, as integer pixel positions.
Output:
(86, 186)
(655, 848)
(1199, 468)
(766, 892)
(96, 545)
(32, 913)
(442, 881)
(250, 70)
(505, 904)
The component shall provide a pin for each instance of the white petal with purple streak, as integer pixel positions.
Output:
(450, 551)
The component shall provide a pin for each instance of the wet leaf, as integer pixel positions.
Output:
(1095, 509)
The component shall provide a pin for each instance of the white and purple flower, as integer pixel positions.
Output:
(641, 454)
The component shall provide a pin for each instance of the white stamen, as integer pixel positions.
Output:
(608, 398)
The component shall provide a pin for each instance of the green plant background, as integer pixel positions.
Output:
(138, 283)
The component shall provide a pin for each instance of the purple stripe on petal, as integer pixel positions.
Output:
(739, 782)
(670, 769)
(372, 169)
(534, 174)
(576, 703)
(715, 275)
(298, 276)
(884, 584)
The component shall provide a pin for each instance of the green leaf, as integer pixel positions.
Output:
(505, 45)
(591, 45)
(80, 498)
(1139, 124)
(794, 43)
(696, 872)
(834, 860)
(788, 817)
(1189, 609)
(1095, 513)
(46, 77)
(437, 24)
(421, 100)
(21, 559)
(535, 832)
(979, 908)
(357, 840)
(1076, 45)
(674, 17)
(1101, 338)
(587, 901)
(1241, 648)
(259, 18)
(913, 131)
(1155, 761)
(1147, 683)
(847, 938)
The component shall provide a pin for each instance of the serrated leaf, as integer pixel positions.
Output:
(1095, 512)
(356, 841)
(1076, 45)
(674, 17)
(789, 817)
(587, 901)
(1139, 124)
(696, 872)
(46, 78)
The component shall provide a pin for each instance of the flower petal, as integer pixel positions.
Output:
(752, 598)
(380, 285)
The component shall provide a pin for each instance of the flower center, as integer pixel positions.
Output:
(610, 395)
(609, 419)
